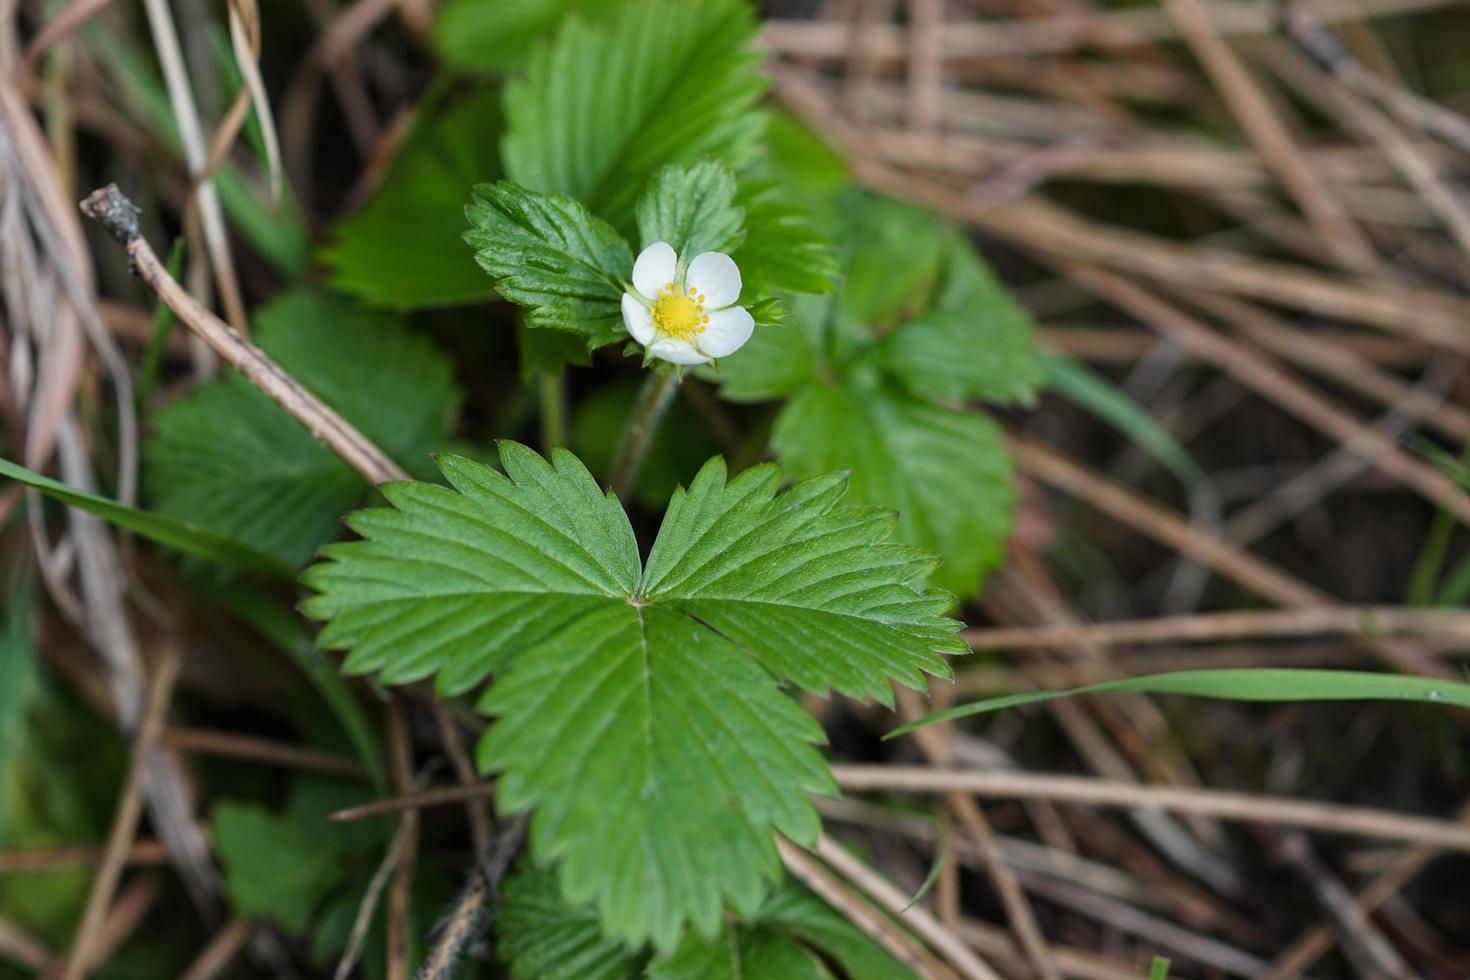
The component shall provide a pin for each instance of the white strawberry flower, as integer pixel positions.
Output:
(685, 312)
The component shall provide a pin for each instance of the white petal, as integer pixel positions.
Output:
(654, 269)
(637, 319)
(726, 332)
(716, 277)
(677, 352)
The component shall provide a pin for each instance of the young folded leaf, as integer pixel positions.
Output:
(547, 253)
(639, 709)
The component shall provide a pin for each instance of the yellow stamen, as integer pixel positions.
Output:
(678, 316)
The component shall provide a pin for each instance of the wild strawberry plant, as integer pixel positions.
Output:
(615, 179)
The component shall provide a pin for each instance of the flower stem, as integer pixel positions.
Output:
(653, 398)
(553, 411)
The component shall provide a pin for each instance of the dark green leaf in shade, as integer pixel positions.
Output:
(229, 459)
(403, 248)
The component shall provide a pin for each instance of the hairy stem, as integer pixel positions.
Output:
(658, 390)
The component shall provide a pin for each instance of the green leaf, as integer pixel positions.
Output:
(274, 867)
(229, 459)
(893, 256)
(787, 939)
(599, 112)
(693, 209)
(404, 248)
(546, 253)
(184, 537)
(975, 342)
(490, 38)
(639, 713)
(774, 362)
(1245, 684)
(541, 937)
(946, 471)
(17, 684)
(783, 250)
(790, 937)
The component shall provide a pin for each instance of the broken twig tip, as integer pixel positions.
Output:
(110, 207)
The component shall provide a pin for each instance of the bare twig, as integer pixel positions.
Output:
(263, 750)
(111, 208)
(426, 799)
(841, 897)
(400, 751)
(220, 952)
(21, 947)
(1366, 621)
(125, 819)
(1256, 116)
(1310, 815)
(478, 902)
(930, 929)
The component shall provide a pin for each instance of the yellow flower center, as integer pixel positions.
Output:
(679, 315)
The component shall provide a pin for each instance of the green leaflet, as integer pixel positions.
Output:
(973, 342)
(483, 38)
(599, 112)
(403, 249)
(179, 535)
(229, 459)
(547, 253)
(946, 471)
(639, 712)
(1245, 684)
(790, 937)
(783, 249)
(917, 319)
(693, 209)
(541, 937)
(273, 867)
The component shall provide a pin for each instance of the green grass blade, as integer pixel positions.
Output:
(1093, 393)
(187, 538)
(1256, 684)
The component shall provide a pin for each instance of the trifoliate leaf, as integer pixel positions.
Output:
(403, 249)
(975, 342)
(639, 713)
(477, 37)
(600, 111)
(893, 255)
(230, 460)
(693, 209)
(546, 253)
(541, 937)
(946, 471)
